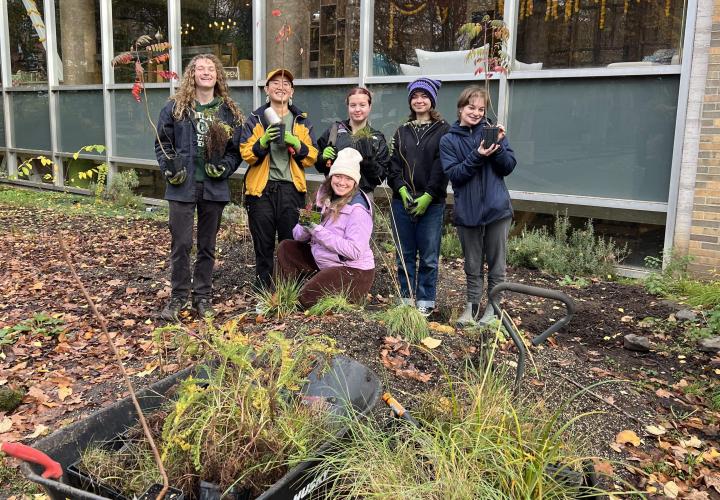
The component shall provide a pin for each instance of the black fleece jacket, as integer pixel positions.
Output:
(415, 160)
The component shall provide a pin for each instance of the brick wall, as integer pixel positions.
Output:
(704, 244)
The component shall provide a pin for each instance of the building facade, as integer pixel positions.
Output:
(612, 106)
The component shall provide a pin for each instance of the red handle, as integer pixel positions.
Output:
(53, 470)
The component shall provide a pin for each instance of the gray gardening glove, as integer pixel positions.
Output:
(214, 171)
(178, 178)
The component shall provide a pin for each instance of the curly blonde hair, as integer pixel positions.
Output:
(184, 97)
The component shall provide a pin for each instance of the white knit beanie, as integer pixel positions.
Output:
(347, 163)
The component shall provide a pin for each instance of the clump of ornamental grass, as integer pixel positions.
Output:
(332, 304)
(281, 302)
(241, 422)
(473, 441)
(405, 321)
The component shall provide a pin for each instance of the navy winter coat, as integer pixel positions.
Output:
(481, 196)
(179, 137)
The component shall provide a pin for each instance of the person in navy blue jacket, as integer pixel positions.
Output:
(483, 211)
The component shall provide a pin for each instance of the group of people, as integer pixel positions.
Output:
(202, 138)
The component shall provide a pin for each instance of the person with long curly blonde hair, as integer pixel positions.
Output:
(197, 149)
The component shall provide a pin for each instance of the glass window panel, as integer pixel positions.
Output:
(243, 97)
(37, 172)
(134, 136)
(323, 41)
(73, 168)
(601, 137)
(31, 119)
(131, 20)
(151, 182)
(81, 119)
(78, 40)
(220, 28)
(613, 33)
(390, 104)
(3, 166)
(421, 38)
(28, 62)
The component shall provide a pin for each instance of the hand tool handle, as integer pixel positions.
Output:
(53, 470)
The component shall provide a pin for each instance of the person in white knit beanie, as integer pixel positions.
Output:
(335, 254)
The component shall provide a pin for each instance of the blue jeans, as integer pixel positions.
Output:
(418, 244)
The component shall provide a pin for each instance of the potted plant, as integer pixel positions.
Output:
(487, 41)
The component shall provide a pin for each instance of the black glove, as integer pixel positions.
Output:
(177, 178)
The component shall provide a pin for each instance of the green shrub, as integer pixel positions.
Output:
(406, 321)
(450, 246)
(567, 251)
(121, 190)
(669, 281)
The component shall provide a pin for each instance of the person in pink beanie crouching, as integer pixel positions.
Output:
(335, 254)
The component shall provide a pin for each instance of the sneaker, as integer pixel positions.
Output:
(425, 310)
(204, 307)
(172, 309)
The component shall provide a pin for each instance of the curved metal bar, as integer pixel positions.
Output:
(538, 292)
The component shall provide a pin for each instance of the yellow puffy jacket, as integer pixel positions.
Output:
(258, 159)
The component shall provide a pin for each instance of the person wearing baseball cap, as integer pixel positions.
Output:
(335, 254)
(278, 144)
(419, 188)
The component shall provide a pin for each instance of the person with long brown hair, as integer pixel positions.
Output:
(197, 149)
(335, 254)
(356, 133)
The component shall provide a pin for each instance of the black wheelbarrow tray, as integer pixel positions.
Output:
(347, 387)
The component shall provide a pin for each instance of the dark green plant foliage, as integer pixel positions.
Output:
(566, 251)
(10, 398)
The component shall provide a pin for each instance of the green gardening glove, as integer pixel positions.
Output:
(421, 204)
(329, 153)
(214, 171)
(271, 133)
(291, 140)
(178, 178)
(407, 200)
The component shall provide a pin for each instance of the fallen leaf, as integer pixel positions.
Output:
(64, 391)
(627, 437)
(662, 393)
(40, 430)
(697, 495)
(603, 467)
(656, 430)
(693, 442)
(671, 489)
(5, 424)
(434, 325)
(712, 480)
(430, 342)
(711, 454)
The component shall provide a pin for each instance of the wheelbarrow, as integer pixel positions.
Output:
(347, 387)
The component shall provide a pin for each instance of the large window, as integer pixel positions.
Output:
(31, 120)
(604, 137)
(592, 33)
(28, 61)
(220, 28)
(131, 20)
(422, 37)
(81, 119)
(78, 40)
(134, 135)
(314, 38)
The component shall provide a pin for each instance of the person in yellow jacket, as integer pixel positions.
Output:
(277, 155)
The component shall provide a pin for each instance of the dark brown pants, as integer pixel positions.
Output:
(295, 260)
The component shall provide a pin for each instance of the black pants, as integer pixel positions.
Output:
(182, 215)
(274, 212)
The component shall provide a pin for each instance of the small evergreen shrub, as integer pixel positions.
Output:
(121, 190)
(566, 251)
(450, 247)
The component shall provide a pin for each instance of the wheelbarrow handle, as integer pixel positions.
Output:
(537, 292)
(53, 470)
